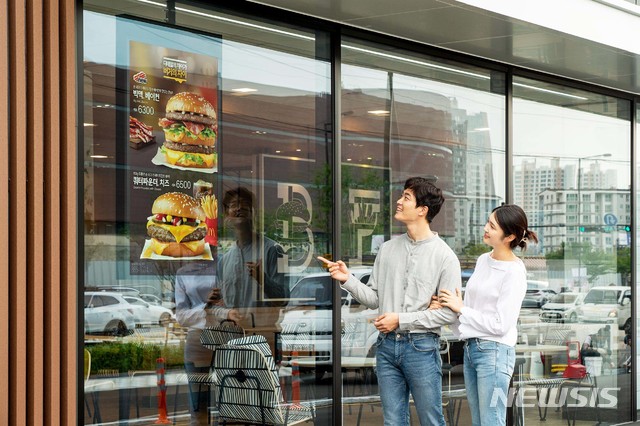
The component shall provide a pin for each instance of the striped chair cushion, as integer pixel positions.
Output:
(216, 336)
(249, 388)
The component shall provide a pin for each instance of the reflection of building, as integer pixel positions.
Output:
(475, 187)
(562, 224)
(554, 213)
(530, 179)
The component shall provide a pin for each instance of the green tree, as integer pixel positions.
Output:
(623, 263)
(475, 250)
(556, 254)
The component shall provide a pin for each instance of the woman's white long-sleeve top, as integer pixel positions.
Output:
(492, 300)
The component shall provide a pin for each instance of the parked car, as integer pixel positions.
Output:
(148, 314)
(108, 313)
(562, 307)
(307, 321)
(150, 298)
(538, 293)
(169, 300)
(607, 304)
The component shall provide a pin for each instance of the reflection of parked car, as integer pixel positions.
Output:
(562, 308)
(108, 313)
(538, 293)
(307, 320)
(146, 313)
(607, 304)
(169, 300)
(150, 298)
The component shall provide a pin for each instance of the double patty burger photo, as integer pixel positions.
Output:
(177, 227)
(190, 130)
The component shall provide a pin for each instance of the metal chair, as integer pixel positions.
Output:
(248, 385)
(452, 396)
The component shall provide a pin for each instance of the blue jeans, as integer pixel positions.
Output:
(410, 363)
(488, 367)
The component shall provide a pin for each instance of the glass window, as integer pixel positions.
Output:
(560, 130)
(207, 189)
(406, 115)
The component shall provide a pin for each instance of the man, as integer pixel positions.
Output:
(252, 288)
(407, 272)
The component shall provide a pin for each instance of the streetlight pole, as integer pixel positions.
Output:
(589, 157)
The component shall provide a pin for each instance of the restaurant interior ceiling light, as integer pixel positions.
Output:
(379, 112)
(89, 125)
(481, 129)
(554, 92)
(99, 156)
(153, 3)
(244, 90)
(298, 150)
(245, 24)
(417, 62)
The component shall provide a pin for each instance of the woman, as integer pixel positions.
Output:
(488, 316)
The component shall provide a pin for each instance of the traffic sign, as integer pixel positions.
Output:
(610, 219)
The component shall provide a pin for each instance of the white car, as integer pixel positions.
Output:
(150, 298)
(146, 313)
(607, 304)
(563, 307)
(108, 313)
(307, 321)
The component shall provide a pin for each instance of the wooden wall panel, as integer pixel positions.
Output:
(68, 208)
(36, 228)
(4, 226)
(52, 289)
(38, 301)
(18, 259)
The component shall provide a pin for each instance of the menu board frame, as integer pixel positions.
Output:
(154, 63)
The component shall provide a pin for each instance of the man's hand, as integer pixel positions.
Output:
(387, 322)
(255, 270)
(235, 316)
(451, 300)
(215, 298)
(338, 270)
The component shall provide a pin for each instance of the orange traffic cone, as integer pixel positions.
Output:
(295, 380)
(162, 393)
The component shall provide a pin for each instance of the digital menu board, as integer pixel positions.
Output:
(170, 86)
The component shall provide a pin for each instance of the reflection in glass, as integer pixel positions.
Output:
(572, 176)
(269, 88)
(406, 115)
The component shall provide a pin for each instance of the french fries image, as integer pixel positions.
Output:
(210, 206)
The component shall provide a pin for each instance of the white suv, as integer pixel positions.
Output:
(607, 304)
(307, 321)
(108, 313)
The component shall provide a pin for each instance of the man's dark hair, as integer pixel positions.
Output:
(427, 195)
(241, 193)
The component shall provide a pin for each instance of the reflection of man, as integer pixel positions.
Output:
(597, 344)
(248, 271)
(196, 286)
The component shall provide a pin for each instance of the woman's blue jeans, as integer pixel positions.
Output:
(410, 363)
(488, 367)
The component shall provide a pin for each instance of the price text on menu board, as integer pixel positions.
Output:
(152, 181)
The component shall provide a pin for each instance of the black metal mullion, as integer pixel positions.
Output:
(336, 110)
(635, 112)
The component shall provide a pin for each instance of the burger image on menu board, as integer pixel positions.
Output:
(177, 227)
(190, 129)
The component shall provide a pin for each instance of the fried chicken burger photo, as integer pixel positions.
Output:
(177, 227)
(190, 130)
